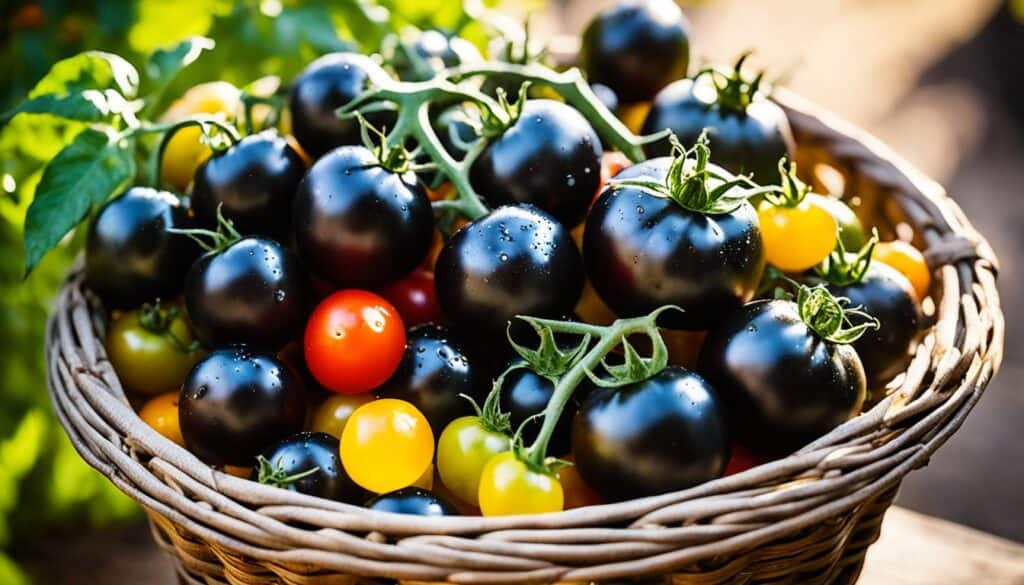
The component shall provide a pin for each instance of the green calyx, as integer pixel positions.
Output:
(390, 156)
(490, 415)
(548, 360)
(210, 240)
(830, 317)
(158, 320)
(735, 92)
(842, 268)
(269, 474)
(696, 185)
(494, 124)
(793, 191)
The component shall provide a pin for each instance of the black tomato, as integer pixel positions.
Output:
(550, 157)
(643, 251)
(660, 435)
(253, 292)
(784, 385)
(434, 371)
(436, 51)
(252, 183)
(517, 260)
(636, 48)
(290, 464)
(888, 296)
(748, 134)
(325, 85)
(526, 393)
(235, 403)
(359, 225)
(413, 501)
(130, 256)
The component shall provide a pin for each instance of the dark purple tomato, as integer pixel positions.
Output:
(550, 157)
(413, 501)
(663, 434)
(636, 47)
(526, 393)
(253, 292)
(325, 85)
(252, 183)
(517, 260)
(784, 385)
(359, 225)
(435, 52)
(313, 460)
(235, 403)
(433, 375)
(130, 256)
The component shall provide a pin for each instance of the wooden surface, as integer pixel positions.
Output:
(914, 550)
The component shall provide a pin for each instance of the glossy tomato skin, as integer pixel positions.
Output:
(784, 385)
(387, 445)
(325, 85)
(415, 298)
(130, 256)
(463, 449)
(304, 451)
(439, 51)
(508, 486)
(236, 402)
(636, 48)
(663, 434)
(354, 341)
(150, 362)
(432, 375)
(526, 393)
(550, 157)
(253, 184)
(253, 292)
(751, 141)
(413, 501)
(358, 225)
(161, 413)
(517, 260)
(331, 415)
(888, 296)
(643, 251)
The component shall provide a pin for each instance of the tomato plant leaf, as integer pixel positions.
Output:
(80, 177)
(164, 64)
(90, 87)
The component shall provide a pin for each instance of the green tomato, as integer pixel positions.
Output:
(463, 450)
(851, 230)
(150, 348)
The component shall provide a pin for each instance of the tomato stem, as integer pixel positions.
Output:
(212, 127)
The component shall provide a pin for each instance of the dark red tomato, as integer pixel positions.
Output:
(743, 459)
(235, 403)
(354, 341)
(415, 298)
(325, 85)
(130, 256)
(636, 47)
(252, 184)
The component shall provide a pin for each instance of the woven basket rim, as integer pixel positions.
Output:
(858, 460)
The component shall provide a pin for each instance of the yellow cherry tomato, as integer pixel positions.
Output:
(333, 413)
(185, 152)
(161, 413)
(508, 486)
(796, 238)
(386, 445)
(908, 260)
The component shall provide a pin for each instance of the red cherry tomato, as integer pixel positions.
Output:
(354, 341)
(415, 298)
(743, 459)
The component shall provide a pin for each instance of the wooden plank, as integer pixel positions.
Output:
(915, 549)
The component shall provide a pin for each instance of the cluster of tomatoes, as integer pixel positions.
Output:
(436, 330)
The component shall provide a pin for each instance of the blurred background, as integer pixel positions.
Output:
(941, 82)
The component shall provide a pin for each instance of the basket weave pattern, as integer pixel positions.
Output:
(807, 518)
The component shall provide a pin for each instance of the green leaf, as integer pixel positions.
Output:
(83, 175)
(165, 63)
(90, 87)
(311, 24)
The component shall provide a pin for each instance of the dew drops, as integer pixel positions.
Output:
(570, 180)
(279, 296)
(503, 257)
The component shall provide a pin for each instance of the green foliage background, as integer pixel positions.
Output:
(43, 482)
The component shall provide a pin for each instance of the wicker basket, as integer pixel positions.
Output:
(808, 518)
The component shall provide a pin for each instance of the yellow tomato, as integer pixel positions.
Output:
(909, 261)
(508, 486)
(796, 238)
(387, 444)
(184, 151)
(161, 413)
